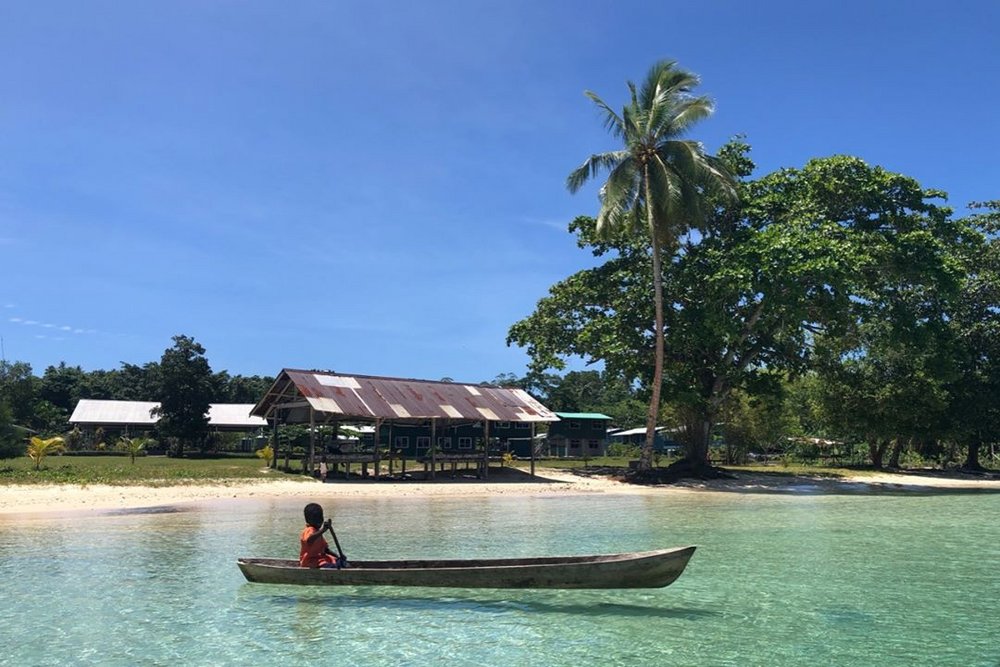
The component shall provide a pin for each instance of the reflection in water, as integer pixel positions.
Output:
(392, 600)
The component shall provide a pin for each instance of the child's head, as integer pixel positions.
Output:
(314, 515)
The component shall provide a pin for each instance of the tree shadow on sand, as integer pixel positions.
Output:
(786, 482)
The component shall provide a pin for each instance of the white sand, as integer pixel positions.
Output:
(35, 499)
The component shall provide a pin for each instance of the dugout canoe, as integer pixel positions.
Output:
(644, 569)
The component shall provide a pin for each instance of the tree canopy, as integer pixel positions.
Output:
(185, 388)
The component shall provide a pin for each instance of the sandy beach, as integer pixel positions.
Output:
(36, 499)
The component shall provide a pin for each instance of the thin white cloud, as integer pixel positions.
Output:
(560, 225)
(48, 325)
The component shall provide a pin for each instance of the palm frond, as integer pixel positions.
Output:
(690, 111)
(656, 82)
(593, 166)
(612, 121)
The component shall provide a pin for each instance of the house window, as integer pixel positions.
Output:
(402, 441)
(574, 424)
(444, 443)
(574, 444)
(423, 441)
(522, 425)
(503, 425)
(465, 443)
(594, 444)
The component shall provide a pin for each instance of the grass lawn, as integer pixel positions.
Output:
(164, 471)
(147, 470)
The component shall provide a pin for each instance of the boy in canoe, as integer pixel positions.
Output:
(313, 549)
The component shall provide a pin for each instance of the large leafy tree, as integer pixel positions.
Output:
(11, 440)
(19, 388)
(806, 253)
(186, 391)
(975, 324)
(655, 185)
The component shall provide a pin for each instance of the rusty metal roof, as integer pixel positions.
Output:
(367, 398)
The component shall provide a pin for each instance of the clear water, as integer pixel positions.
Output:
(796, 579)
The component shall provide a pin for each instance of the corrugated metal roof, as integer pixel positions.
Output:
(90, 411)
(233, 415)
(137, 413)
(581, 415)
(365, 397)
(638, 430)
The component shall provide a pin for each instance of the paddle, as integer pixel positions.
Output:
(341, 559)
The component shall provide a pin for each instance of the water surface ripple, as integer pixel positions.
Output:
(796, 579)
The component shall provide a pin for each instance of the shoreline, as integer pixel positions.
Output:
(48, 499)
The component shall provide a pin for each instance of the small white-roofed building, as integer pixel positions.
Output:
(133, 417)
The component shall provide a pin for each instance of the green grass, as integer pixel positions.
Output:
(163, 471)
(147, 471)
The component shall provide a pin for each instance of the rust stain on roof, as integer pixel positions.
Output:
(365, 397)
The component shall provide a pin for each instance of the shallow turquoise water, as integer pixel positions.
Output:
(777, 580)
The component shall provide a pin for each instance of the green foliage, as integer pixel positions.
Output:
(186, 392)
(832, 265)
(132, 446)
(622, 450)
(12, 443)
(74, 439)
(267, 454)
(39, 448)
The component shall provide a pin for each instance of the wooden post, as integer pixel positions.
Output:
(274, 438)
(433, 452)
(377, 453)
(531, 447)
(486, 449)
(312, 440)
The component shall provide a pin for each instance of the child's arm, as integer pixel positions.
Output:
(327, 525)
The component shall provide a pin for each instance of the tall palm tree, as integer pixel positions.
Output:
(656, 182)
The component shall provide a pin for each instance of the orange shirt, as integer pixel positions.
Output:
(313, 554)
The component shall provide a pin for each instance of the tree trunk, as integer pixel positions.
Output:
(897, 449)
(972, 456)
(701, 437)
(646, 459)
(876, 448)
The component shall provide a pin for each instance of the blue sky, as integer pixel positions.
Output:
(379, 188)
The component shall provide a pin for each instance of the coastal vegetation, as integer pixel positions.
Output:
(832, 313)
(834, 304)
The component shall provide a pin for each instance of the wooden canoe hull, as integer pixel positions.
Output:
(646, 569)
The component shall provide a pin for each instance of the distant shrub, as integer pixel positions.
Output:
(266, 453)
(624, 450)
